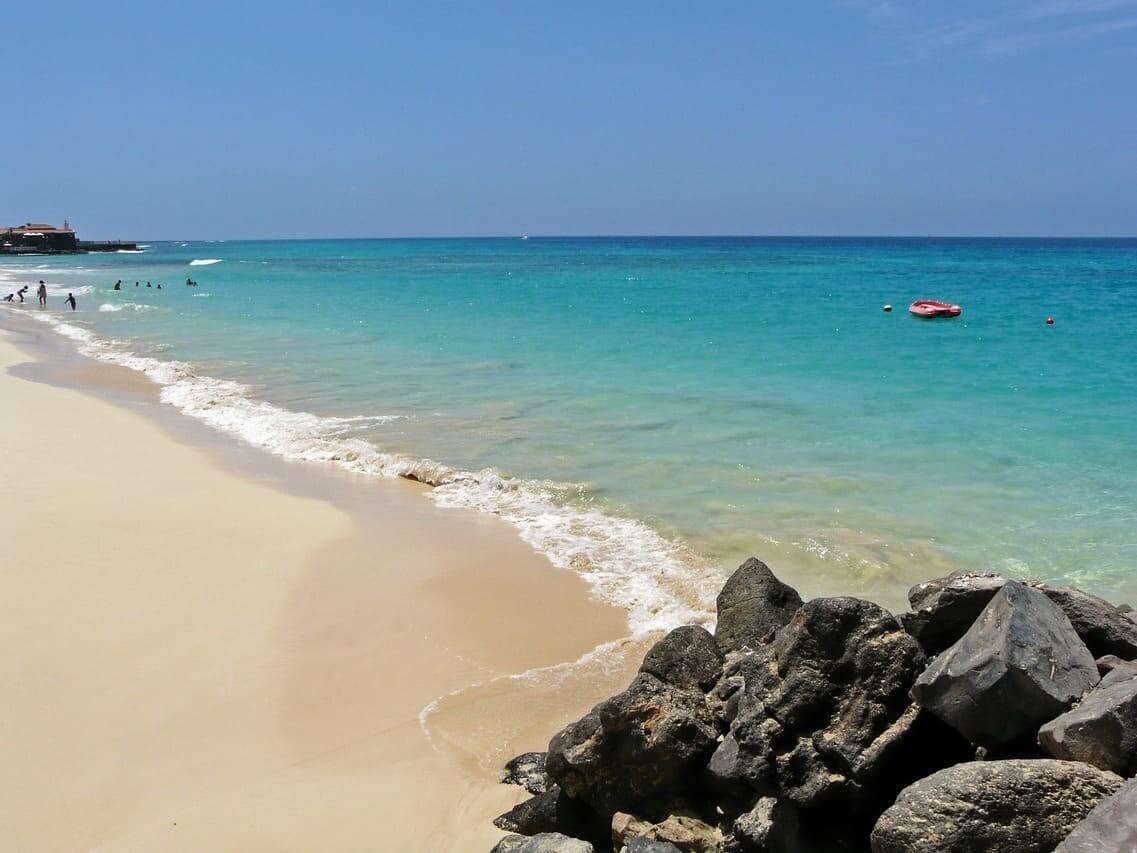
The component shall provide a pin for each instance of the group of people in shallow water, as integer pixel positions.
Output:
(41, 293)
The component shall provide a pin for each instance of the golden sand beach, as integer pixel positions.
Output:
(207, 648)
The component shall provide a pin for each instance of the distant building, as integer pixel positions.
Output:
(37, 235)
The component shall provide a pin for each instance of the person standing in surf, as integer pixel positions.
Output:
(70, 300)
(41, 292)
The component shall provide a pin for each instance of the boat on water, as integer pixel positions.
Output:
(934, 308)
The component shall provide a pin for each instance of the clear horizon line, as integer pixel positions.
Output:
(672, 236)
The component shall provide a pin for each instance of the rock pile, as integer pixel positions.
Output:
(997, 715)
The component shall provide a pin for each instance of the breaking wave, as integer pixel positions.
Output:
(204, 262)
(126, 306)
(660, 583)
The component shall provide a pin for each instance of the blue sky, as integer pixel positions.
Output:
(251, 120)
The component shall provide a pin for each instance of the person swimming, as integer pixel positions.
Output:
(118, 284)
(70, 300)
(159, 285)
(41, 292)
(148, 284)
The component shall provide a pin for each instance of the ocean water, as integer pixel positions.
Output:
(649, 412)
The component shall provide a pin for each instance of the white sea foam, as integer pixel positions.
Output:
(659, 582)
(129, 251)
(204, 262)
(126, 306)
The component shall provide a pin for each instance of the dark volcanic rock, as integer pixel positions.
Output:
(528, 771)
(687, 658)
(943, 609)
(1101, 731)
(640, 746)
(771, 825)
(1110, 828)
(553, 811)
(1104, 629)
(825, 708)
(1018, 666)
(752, 605)
(546, 842)
(1016, 806)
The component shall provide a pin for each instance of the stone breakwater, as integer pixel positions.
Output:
(996, 715)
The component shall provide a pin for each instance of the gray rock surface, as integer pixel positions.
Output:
(825, 707)
(943, 609)
(752, 605)
(1101, 730)
(528, 771)
(1018, 666)
(1017, 806)
(1122, 672)
(1110, 828)
(765, 827)
(1108, 663)
(546, 842)
(643, 744)
(650, 845)
(688, 658)
(1105, 629)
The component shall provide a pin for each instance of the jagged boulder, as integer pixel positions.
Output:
(552, 811)
(1017, 806)
(1019, 665)
(752, 605)
(528, 771)
(1105, 629)
(825, 707)
(546, 842)
(687, 658)
(642, 745)
(1108, 663)
(943, 609)
(1101, 730)
(1110, 828)
(1123, 672)
(687, 833)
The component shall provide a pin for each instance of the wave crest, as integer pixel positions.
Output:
(659, 582)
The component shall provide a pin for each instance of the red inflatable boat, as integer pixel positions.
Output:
(934, 308)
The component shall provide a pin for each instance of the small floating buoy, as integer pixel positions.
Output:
(1050, 321)
(887, 308)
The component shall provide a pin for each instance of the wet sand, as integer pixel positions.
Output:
(208, 648)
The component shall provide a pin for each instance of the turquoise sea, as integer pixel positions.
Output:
(650, 411)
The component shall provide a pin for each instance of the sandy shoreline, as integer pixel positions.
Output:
(206, 647)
